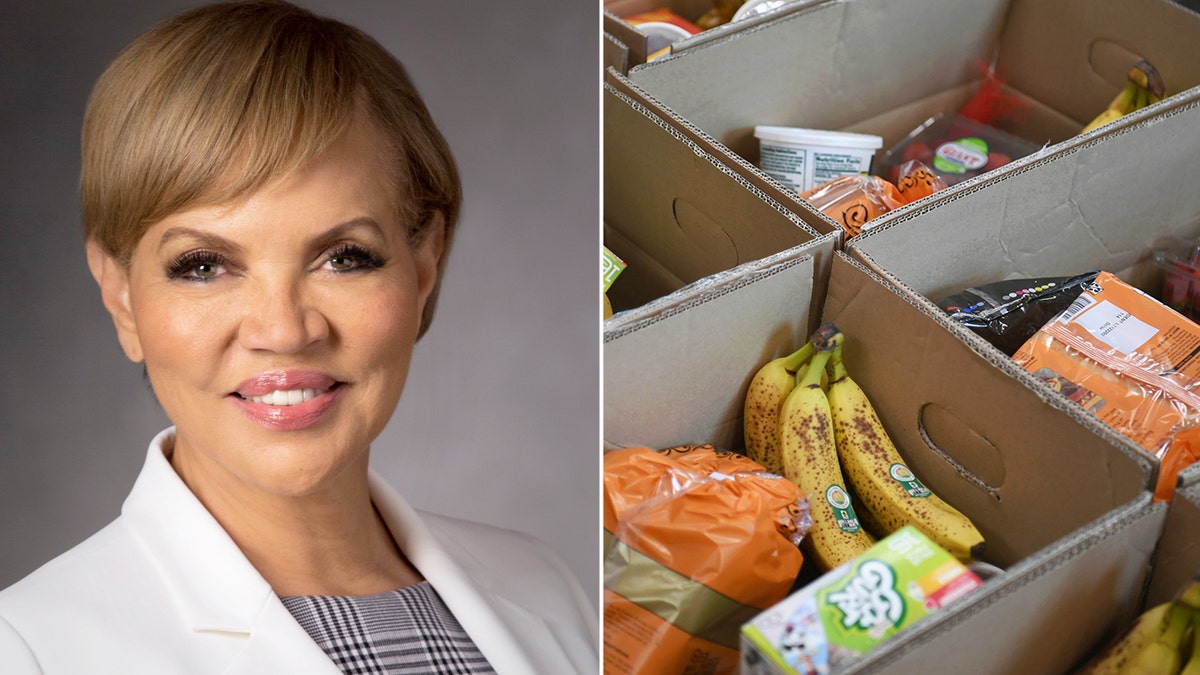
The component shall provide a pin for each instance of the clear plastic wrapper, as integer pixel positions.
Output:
(1124, 357)
(854, 200)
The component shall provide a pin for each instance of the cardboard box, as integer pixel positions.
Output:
(883, 67)
(677, 216)
(1076, 209)
(1064, 506)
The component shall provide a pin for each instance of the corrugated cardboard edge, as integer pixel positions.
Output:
(1015, 579)
(989, 353)
(821, 247)
(1177, 557)
(750, 173)
(615, 55)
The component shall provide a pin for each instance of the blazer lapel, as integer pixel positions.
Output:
(215, 587)
(492, 622)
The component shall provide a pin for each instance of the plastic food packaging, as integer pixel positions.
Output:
(850, 609)
(1008, 313)
(1124, 357)
(696, 543)
(803, 159)
(853, 200)
(956, 148)
(1180, 262)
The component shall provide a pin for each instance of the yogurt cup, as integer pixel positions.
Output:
(802, 159)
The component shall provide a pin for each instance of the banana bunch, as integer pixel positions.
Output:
(1143, 87)
(1164, 640)
(805, 418)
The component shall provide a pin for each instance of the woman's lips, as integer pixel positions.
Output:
(287, 400)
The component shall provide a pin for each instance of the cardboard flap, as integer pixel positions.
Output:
(823, 67)
(680, 205)
(1178, 559)
(973, 428)
(1045, 614)
(700, 356)
(1076, 209)
(1078, 71)
(616, 54)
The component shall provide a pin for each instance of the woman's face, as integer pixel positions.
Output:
(277, 330)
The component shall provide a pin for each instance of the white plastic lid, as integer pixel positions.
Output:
(755, 7)
(834, 139)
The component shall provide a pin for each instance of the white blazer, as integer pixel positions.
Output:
(163, 589)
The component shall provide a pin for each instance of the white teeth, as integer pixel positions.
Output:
(289, 397)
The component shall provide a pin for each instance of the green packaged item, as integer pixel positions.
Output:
(850, 609)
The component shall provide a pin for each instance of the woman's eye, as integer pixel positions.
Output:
(197, 266)
(350, 258)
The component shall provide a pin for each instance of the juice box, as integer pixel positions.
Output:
(852, 608)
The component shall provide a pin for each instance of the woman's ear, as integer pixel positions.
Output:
(113, 280)
(428, 257)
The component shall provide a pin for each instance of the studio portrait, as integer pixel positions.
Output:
(301, 364)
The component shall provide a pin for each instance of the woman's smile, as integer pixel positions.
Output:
(287, 400)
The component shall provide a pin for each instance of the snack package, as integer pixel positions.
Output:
(1180, 262)
(1125, 357)
(853, 200)
(852, 608)
(1008, 313)
(955, 148)
(696, 543)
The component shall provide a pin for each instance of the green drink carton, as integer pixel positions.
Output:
(852, 608)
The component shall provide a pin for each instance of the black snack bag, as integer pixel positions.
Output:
(1007, 313)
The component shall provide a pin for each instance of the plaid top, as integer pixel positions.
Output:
(406, 632)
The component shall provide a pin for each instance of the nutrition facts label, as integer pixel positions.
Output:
(830, 165)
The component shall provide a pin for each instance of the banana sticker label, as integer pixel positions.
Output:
(905, 477)
(843, 510)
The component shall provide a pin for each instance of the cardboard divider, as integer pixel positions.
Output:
(1046, 614)
(812, 67)
(614, 55)
(680, 376)
(1064, 507)
(1177, 560)
(972, 429)
(677, 215)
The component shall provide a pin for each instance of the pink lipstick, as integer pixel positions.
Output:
(287, 400)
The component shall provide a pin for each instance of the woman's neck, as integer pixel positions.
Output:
(330, 541)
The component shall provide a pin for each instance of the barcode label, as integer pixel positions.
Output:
(1081, 303)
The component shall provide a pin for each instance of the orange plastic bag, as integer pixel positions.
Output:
(1129, 360)
(697, 542)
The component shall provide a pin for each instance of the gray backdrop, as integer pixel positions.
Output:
(499, 420)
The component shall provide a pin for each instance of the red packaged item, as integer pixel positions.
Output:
(955, 148)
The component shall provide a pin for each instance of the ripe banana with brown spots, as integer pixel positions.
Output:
(809, 454)
(760, 413)
(889, 494)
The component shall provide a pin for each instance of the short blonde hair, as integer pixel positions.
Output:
(214, 103)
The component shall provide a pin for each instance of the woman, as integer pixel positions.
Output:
(268, 208)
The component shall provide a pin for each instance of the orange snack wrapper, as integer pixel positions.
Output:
(854, 200)
(1131, 361)
(697, 542)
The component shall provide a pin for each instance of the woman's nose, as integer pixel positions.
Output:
(282, 318)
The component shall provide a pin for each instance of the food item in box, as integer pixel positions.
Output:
(853, 200)
(1143, 87)
(889, 493)
(610, 268)
(1125, 357)
(1007, 313)
(1155, 642)
(809, 456)
(803, 159)
(696, 543)
(662, 28)
(833, 445)
(849, 610)
(1180, 262)
(956, 148)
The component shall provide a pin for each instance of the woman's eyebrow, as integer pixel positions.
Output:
(217, 241)
(200, 236)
